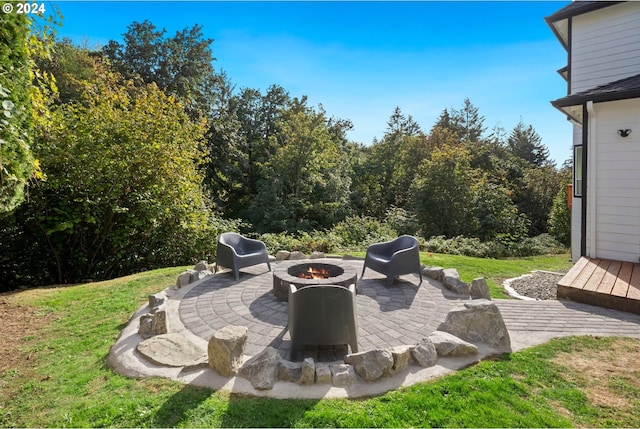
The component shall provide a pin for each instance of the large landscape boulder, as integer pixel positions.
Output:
(172, 350)
(202, 266)
(156, 301)
(226, 349)
(448, 345)
(478, 321)
(425, 353)
(297, 255)
(153, 324)
(480, 289)
(185, 278)
(289, 371)
(198, 275)
(282, 255)
(262, 369)
(402, 357)
(372, 364)
(323, 373)
(159, 325)
(451, 281)
(343, 374)
(436, 273)
(307, 372)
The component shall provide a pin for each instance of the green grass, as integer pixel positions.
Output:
(66, 382)
(495, 271)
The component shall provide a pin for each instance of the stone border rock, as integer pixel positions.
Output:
(478, 320)
(512, 292)
(450, 279)
(266, 374)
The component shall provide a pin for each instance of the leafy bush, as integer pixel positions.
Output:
(305, 242)
(358, 232)
(355, 233)
(16, 124)
(544, 244)
(401, 220)
(123, 190)
(458, 246)
(560, 218)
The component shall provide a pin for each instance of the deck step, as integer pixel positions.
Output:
(604, 283)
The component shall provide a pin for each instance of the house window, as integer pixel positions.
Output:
(577, 171)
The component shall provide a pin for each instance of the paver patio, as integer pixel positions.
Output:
(402, 314)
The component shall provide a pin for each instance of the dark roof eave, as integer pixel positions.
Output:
(575, 8)
(579, 99)
(554, 28)
(569, 114)
(578, 8)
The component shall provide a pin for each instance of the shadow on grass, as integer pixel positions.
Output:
(180, 406)
(245, 411)
(187, 408)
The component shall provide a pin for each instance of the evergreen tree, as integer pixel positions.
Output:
(468, 123)
(444, 121)
(524, 142)
(398, 123)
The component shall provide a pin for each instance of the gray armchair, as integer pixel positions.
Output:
(235, 252)
(322, 316)
(394, 258)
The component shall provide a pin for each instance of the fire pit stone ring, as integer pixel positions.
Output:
(326, 272)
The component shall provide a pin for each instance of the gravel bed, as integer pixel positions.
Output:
(538, 285)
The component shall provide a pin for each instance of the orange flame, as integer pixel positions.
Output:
(313, 273)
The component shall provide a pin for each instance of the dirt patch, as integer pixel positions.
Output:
(19, 326)
(608, 377)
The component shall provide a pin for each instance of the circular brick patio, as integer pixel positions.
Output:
(400, 315)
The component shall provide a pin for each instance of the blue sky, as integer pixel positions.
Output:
(362, 59)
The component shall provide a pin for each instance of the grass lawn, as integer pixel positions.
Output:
(56, 340)
(495, 271)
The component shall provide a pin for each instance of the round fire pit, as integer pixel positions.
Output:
(308, 272)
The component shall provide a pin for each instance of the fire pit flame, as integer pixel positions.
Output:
(315, 273)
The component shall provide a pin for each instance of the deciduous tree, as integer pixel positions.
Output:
(305, 184)
(181, 65)
(24, 93)
(123, 191)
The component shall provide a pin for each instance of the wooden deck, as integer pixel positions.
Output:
(602, 282)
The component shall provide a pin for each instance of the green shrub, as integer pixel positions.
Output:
(458, 246)
(560, 218)
(544, 244)
(355, 233)
(16, 123)
(358, 232)
(401, 220)
(306, 242)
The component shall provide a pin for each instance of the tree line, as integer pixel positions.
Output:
(137, 155)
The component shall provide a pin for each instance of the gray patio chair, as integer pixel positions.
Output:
(235, 252)
(394, 258)
(322, 315)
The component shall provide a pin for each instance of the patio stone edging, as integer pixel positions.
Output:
(339, 375)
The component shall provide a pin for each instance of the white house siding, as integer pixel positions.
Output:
(605, 46)
(617, 194)
(576, 206)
